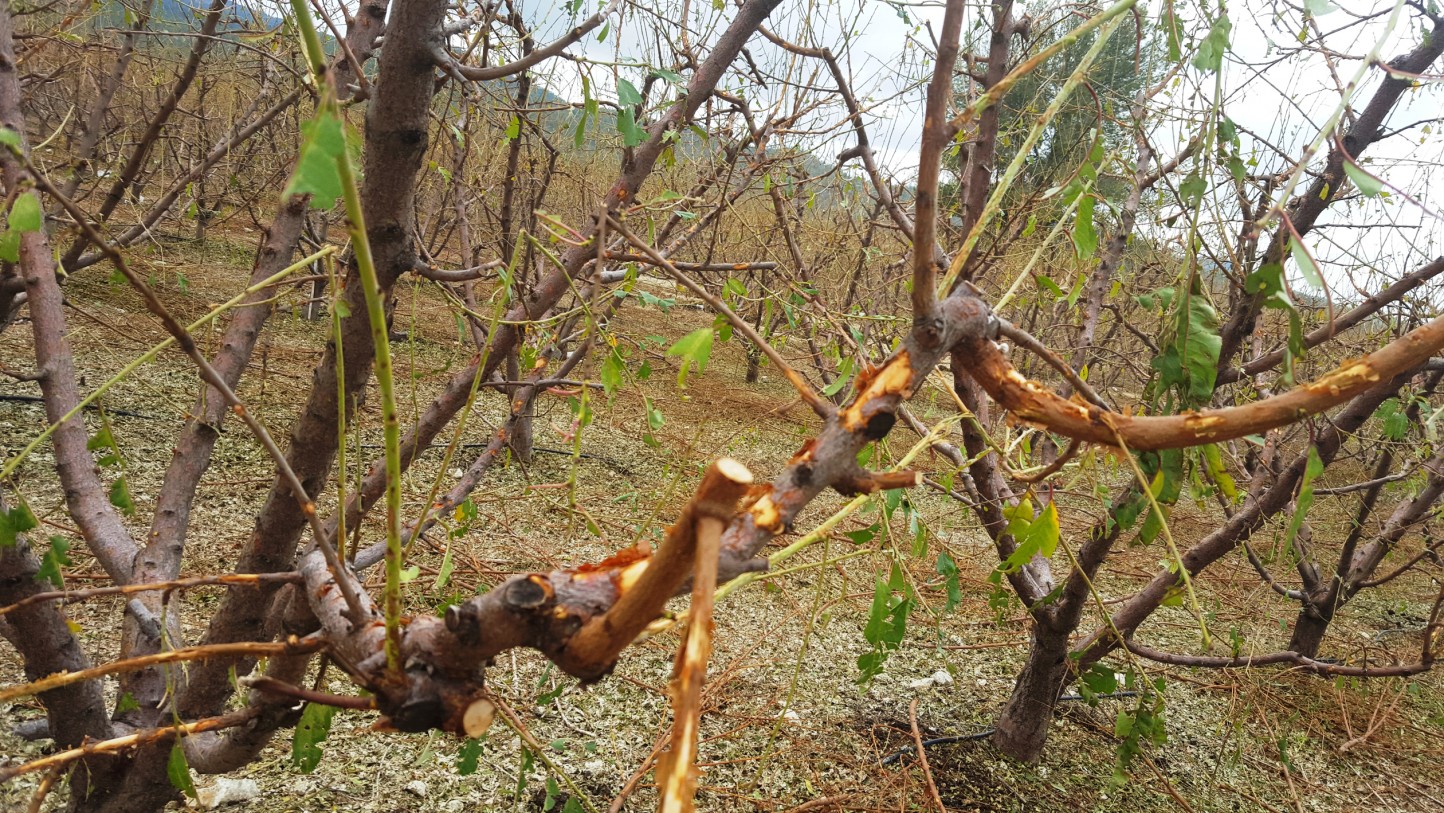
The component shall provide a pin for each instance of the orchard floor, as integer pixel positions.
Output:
(787, 725)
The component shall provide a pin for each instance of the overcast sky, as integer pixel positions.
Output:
(887, 47)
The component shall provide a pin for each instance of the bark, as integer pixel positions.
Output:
(1362, 311)
(982, 137)
(1022, 726)
(128, 179)
(160, 559)
(362, 32)
(1137, 608)
(1035, 403)
(85, 494)
(195, 174)
(396, 140)
(550, 290)
(83, 148)
(47, 646)
(1329, 185)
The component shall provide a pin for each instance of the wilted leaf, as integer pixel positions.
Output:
(1211, 50)
(1367, 184)
(1307, 267)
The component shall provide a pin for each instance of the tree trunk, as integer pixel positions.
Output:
(1309, 631)
(1022, 726)
(520, 441)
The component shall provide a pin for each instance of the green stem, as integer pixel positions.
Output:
(376, 313)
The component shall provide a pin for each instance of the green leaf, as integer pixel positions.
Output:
(16, 521)
(1396, 420)
(1227, 130)
(632, 135)
(120, 496)
(1175, 37)
(468, 757)
(443, 574)
(1099, 679)
(126, 703)
(611, 372)
(671, 76)
(655, 420)
(311, 731)
(179, 772)
(527, 760)
(102, 439)
(694, 348)
(573, 806)
(1304, 501)
(54, 559)
(844, 375)
(948, 569)
(10, 246)
(9, 138)
(1267, 280)
(323, 143)
(1211, 50)
(410, 574)
(1306, 264)
(1213, 459)
(627, 94)
(886, 628)
(1033, 536)
(1199, 346)
(1367, 184)
(1319, 8)
(25, 214)
(513, 128)
(862, 536)
(1192, 189)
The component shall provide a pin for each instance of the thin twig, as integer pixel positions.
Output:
(208, 373)
(821, 406)
(923, 757)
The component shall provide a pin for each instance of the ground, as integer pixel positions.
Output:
(787, 725)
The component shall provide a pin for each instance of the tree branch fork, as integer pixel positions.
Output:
(583, 617)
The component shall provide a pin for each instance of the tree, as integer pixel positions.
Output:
(454, 107)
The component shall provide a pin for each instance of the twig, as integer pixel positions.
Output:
(821, 406)
(72, 596)
(923, 756)
(294, 646)
(208, 373)
(235, 718)
(1027, 341)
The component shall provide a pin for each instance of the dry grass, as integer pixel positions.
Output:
(786, 724)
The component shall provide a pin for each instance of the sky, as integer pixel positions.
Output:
(1276, 96)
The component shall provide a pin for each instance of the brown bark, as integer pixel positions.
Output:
(1137, 608)
(396, 139)
(46, 645)
(85, 495)
(1329, 184)
(1035, 403)
(160, 559)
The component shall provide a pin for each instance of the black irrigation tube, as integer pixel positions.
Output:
(897, 755)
